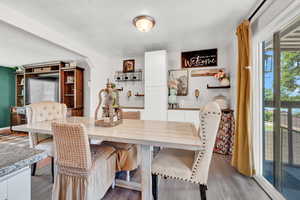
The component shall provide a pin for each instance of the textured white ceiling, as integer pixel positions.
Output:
(106, 26)
(18, 47)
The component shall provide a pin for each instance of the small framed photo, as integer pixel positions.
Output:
(128, 66)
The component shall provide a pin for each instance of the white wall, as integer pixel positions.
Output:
(232, 63)
(225, 60)
(99, 73)
(134, 86)
(206, 95)
(86, 80)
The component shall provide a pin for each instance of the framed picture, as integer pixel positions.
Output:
(128, 66)
(182, 78)
(201, 58)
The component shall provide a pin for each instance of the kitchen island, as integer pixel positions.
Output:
(15, 173)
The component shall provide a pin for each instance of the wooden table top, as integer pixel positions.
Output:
(180, 135)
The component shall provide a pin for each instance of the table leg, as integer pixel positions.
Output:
(146, 172)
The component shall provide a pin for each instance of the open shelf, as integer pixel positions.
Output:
(128, 76)
(218, 87)
(72, 89)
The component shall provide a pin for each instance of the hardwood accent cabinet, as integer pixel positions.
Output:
(20, 89)
(71, 87)
(71, 80)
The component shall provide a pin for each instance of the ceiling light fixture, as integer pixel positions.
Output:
(144, 23)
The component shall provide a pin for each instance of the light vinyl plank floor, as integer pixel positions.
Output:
(224, 184)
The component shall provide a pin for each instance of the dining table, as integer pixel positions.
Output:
(146, 133)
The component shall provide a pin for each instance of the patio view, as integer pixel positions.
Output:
(287, 177)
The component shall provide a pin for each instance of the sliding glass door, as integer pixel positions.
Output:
(281, 111)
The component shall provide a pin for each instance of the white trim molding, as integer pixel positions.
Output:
(269, 188)
(285, 18)
(4, 128)
(290, 14)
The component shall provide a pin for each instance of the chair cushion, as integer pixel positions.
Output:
(174, 163)
(46, 145)
(118, 145)
(101, 152)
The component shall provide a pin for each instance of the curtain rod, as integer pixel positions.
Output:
(257, 9)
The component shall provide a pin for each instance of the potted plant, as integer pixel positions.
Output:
(223, 78)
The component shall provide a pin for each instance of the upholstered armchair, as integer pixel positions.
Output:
(190, 166)
(128, 155)
(84, 171)
(44, 111)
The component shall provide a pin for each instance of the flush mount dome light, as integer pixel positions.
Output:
(144, 23)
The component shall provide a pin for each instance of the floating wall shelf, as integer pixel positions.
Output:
(218, 87)
(129, 76)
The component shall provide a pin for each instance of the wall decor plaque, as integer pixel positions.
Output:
(201, 58)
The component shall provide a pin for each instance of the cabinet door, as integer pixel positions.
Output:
(3, 190)
(156, 68)
(193, 117)
(155, 103)
(176, 116)
(19, 185)
(142, 114)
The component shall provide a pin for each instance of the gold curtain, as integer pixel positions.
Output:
(242, 154)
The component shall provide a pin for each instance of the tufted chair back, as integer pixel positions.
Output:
(44, 111)
(210, 117)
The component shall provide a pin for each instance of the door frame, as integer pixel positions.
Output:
(282, 20)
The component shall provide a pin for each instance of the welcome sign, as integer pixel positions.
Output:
(201, 58)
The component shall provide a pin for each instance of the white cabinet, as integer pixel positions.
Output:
(156, 91)
(16, 186)
(136, 110)
(3, 190)
(184, 116)
(176, 116)
(156, 68)
(156, 102)
(192, 116)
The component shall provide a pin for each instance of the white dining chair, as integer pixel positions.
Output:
(190, 166)
(39, 112)
(84, 171)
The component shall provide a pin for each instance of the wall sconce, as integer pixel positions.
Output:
(197, 93)
(129, 93)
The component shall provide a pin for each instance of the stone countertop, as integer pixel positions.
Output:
(13, 158)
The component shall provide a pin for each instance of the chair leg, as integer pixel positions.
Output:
(203, 189)
(128, 176)
(33, 169)
(154, 186)
(52, 168)
(113, 185)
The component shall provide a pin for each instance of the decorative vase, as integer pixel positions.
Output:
(111, 111)
(173, 97)
(222, 101)
(225, 82)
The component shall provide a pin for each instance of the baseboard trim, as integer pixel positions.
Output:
(271, 191)
(4, 128)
